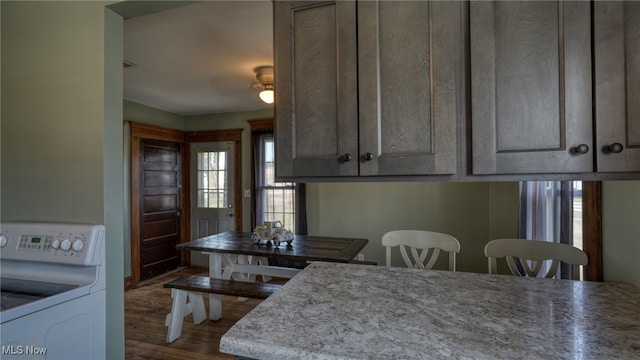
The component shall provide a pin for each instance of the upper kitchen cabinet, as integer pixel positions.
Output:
(409, 61)
(531, 87)
(380, 98)
(316, 97)
(617, 85)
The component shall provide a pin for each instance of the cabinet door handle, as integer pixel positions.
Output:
(615, 148)
(581, 149)
(368, 156)
(346, 157)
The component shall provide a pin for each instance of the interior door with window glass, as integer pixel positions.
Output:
(212, 192)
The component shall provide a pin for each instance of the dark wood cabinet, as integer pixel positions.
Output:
(535, 107)
(377, 99)
(617, 85)
(409, 59)
(531, 87)
(456, 90)
(316, 74)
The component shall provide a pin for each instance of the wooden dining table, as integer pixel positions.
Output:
(235, 255)
(349, 311)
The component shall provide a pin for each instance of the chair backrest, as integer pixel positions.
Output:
(517, 251)
(424, 241)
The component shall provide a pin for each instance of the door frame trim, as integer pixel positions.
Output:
(139, 132)
(191, 137)
(592, 229)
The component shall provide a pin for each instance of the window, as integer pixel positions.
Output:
(277, 198)
(212, 179)
(274, 200)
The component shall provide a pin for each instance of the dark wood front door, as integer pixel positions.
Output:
(160, 207)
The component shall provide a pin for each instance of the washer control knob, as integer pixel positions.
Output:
(78, 245)
(65, 244)
(3, 241)
(56, 244)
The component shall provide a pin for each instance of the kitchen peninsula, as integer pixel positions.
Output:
(349, 311)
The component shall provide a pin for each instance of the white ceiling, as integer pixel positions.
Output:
(198, 58)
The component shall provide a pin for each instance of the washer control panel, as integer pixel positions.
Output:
(51, 242)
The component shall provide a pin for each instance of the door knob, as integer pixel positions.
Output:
(346, 157)
(615, 148)
(581, 149)
(368, 156)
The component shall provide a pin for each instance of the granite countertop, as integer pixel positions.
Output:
(349, 311)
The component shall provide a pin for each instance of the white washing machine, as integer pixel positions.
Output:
(52, 279)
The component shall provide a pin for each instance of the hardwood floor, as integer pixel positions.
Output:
(146, 307)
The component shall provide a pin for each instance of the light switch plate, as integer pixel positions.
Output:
(247, 193)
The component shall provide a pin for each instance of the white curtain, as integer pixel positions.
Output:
(540, 210)
(546, 213)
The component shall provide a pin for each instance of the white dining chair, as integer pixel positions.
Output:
(530, 255)
(428, 242)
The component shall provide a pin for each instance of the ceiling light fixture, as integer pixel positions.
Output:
(264, 75)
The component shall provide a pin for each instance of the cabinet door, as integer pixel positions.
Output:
(409, 59)
(316, 109)
(617, 85)
(531, 87)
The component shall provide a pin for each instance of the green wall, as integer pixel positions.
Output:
(114, 187)
(61, 135)
(52, 111)
(621, 231)
(149, 115)
(472, 212)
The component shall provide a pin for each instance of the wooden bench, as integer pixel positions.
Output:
(223, 287)
(187, 292)
(187, 297)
